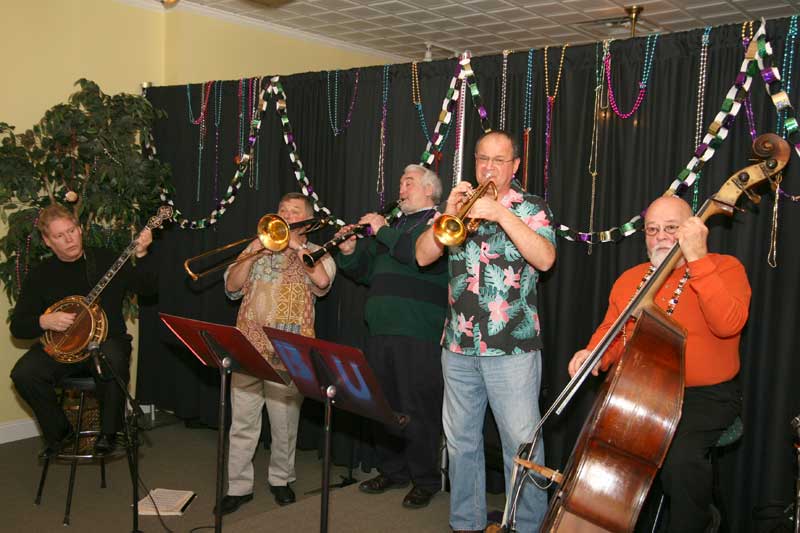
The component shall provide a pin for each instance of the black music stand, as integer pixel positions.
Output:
(333, 373)
(226, 348)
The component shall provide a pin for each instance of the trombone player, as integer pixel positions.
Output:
(491, 347)
(277, 290)
(404, 312)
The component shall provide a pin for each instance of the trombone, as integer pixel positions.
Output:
(273, 232)
(451, 230)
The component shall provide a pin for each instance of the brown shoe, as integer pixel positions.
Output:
(380, 484)
(418, 497)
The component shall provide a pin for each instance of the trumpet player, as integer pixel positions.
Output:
(279, 291)
(404, 312)
(491, 347)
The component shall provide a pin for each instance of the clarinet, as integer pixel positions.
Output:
(391, 212)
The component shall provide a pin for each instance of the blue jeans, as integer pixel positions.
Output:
(510, 385)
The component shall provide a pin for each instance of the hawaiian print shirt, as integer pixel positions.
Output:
(492, 292)
(279, 294)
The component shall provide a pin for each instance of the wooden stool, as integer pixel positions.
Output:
(86, 423)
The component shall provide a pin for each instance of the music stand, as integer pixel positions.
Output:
(333, 373)
(226, 348)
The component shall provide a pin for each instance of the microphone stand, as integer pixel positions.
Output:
(131, 431)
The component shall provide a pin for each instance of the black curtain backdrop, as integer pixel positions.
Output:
(638, 159)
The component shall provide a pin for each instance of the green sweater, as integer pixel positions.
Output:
(403, 299)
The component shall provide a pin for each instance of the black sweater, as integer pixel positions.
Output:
(54, 279)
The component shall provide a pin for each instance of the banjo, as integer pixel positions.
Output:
(91, 323)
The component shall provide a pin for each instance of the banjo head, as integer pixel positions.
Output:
(90, 325)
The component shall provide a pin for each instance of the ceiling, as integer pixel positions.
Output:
(401, 28)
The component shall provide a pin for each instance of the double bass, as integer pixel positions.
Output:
(626, 436)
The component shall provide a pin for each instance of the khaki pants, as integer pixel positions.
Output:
(283, 402)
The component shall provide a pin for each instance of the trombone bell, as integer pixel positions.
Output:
(273, 232)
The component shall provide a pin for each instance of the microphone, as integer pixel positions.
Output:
(796, 425)
(94, 353)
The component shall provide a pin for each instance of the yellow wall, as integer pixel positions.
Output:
(49, 44)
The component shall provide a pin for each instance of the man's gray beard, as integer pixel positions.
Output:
(657, 257)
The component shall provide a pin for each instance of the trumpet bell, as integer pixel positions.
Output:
(449, 230)
(273, 232)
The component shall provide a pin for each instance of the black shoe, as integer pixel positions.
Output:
(418, 498)
(380, 484)
(284, 495)
(52, 449)
(230, 503)
(105, 444)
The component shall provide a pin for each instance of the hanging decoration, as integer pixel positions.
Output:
(787, 67)
(758, 53)
(649, 53)
(199, 121)
(599, 70)
(416, 99)
(381, 186)
(463, 72)
(526, 120)
(333, 116)
(275, 88)
(503, 90)
(747, 36)
(701, 99)
(458, 153)
(242, 161)
(551, 100)
(217, 122)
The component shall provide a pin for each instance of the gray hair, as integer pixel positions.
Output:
(428, 177)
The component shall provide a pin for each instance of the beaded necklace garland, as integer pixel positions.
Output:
(551, 100)
(217, 122)
(503, 89)
(22, 272)
(599, 70)
(758, 52)
(199, 121)
(380, 187)
(701, 98)
(464, 73)
(649, 53)
(673, 301)
(787, 66)
(333, 117)
(747, 36)
(526, 120)
(275, 89)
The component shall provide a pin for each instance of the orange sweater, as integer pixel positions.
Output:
(713, 309)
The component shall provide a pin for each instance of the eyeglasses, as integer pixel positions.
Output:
(653, 230)
(484, 159)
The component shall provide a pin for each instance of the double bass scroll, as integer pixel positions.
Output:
(626, 436)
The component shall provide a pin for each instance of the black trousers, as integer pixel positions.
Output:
(686, 475)
(410, 372)
(36, 374)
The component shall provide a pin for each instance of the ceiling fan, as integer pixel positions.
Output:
(631, 20)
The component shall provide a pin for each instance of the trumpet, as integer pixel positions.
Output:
(273, 232)
(391, 212)
(451, 230)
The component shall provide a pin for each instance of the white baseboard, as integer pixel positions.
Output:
(26, 428)
(18, 430)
